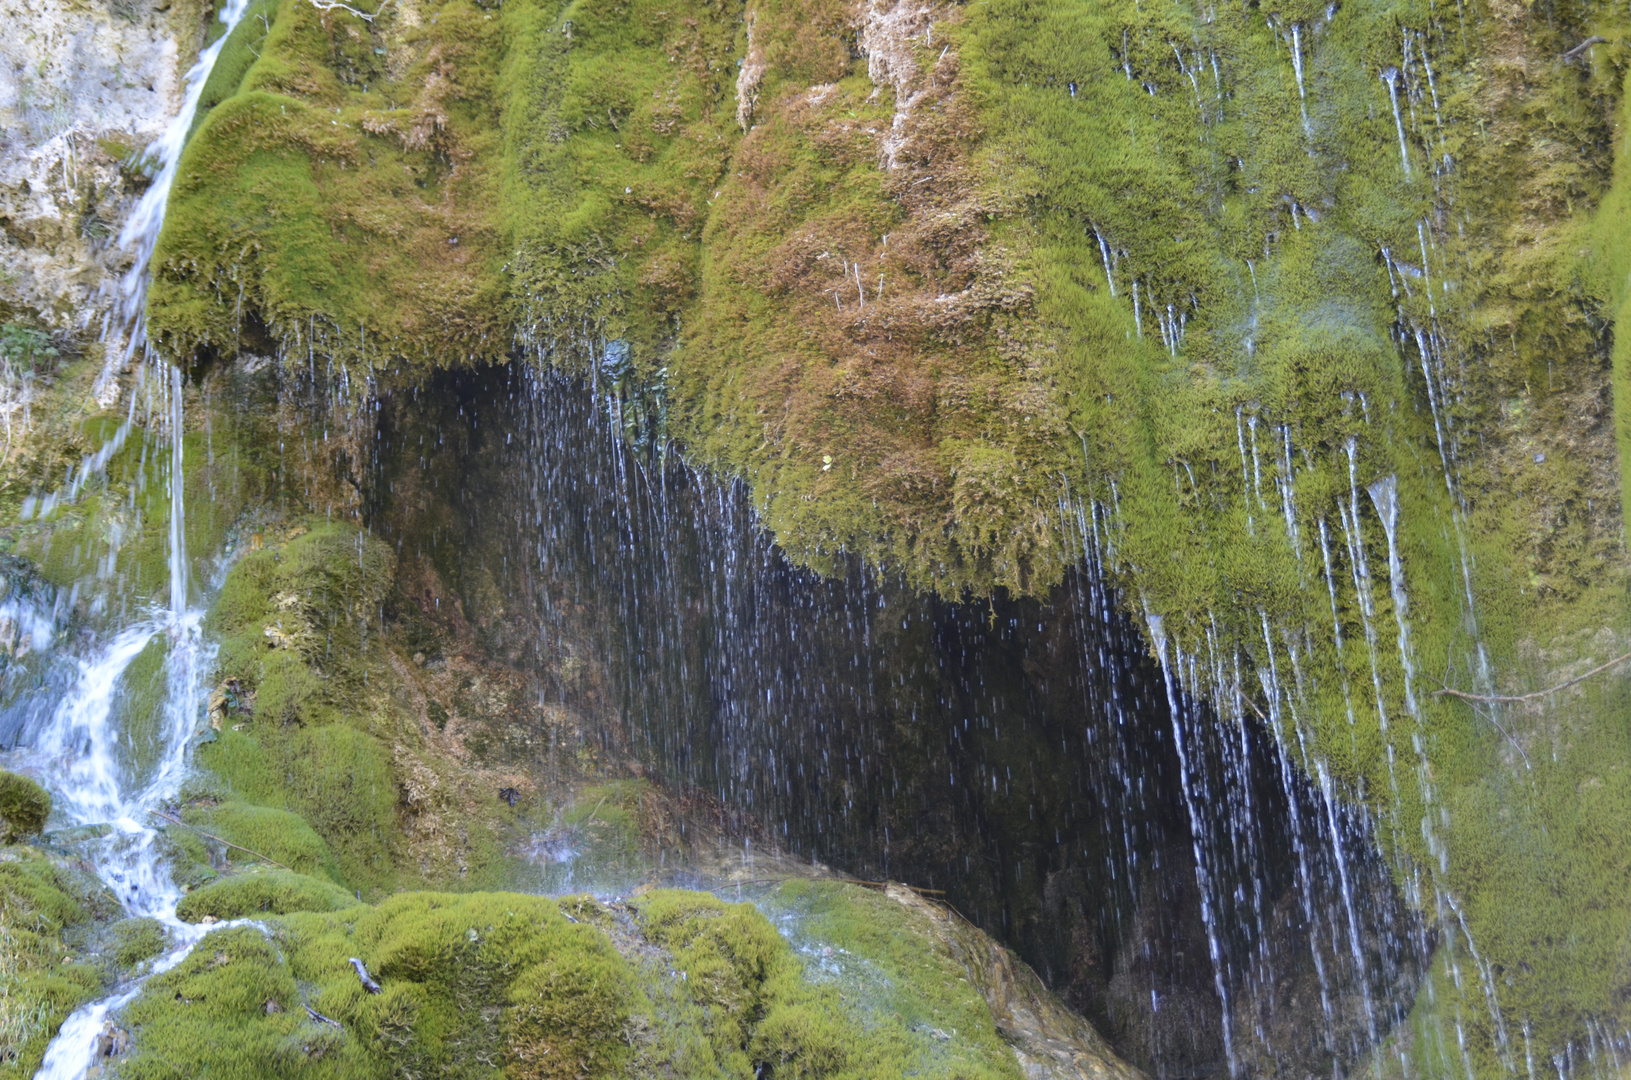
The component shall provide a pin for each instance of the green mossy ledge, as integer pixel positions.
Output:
(1299, 322)
(528, 988)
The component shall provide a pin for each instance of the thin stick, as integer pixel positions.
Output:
(320, 1018)
(1472, 703)
(330, 5)
(220, 840)
(1580, 49)
(1598, 670)
(839, 880)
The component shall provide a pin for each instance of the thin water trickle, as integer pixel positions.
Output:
(1297, 65)
(1193, 803)
(96, 782)
(125, 326)
(77, 754)
(1391, 78)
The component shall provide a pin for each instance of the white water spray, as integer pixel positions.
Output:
(78, 753)
(141, 230)
(1391, 77)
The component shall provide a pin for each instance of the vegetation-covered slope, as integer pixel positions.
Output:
(1298, 318)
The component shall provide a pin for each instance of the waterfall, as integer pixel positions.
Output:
(94, 781)
(124, 327)
(1076, 794)
(78, 754)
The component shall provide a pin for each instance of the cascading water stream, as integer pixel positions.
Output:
(94, 780)
(97, 782)
(127, 318)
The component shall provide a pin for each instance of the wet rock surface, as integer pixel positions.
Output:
(83, 89)
(1051, 1041)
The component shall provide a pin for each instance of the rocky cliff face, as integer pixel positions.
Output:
(85, 89)
(1295, 322)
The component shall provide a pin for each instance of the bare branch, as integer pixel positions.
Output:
(219, 840)
(1580, 49)
(1518, 698)
(330, 5)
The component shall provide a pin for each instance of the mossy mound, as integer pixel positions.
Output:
(46, 911)
(316, 720)
(503, 984)
(134, 941)
(24, 806)
(263, 833)
(276, 892)
(297, 620)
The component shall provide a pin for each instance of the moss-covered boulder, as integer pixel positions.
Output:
(24, 806)
(271, 891)
(489, 984)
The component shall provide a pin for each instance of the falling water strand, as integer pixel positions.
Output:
(95, 784)
(1391, 77)
(78, 751)
(1192, 800)
(141, 231)
(1297, 65)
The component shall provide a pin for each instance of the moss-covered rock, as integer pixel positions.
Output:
(134, 941)
(263, 833)
(24, 806)
(47, 909)
(278, 892)
(492, 984)
(1279, 318)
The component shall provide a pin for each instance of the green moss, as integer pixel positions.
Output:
(278, 892)
(896, 980)
(24, 806)
(276, 195)
(566, 1020)
(476, 983)
(269, 833)
(727, 951)
(1608, 269)
(44, 908)
(337, 779)
(240, 50)
(294, 621)
(137, 940)
(298, 630)
(232, 1010)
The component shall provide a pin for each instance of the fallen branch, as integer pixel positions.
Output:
(1519, 698)
(1472, 703)
(330, 5)
(220, 840)
(361, 969)
(320, 1018)
(1580, 49)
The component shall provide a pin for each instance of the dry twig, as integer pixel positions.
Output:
(220, 840)
(320, 1018)
(1580, 49)
(1518, 698)
(330, 5)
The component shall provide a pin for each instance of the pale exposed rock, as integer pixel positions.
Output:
(73, 77)
(748, 77)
